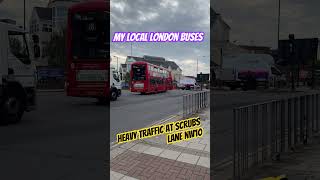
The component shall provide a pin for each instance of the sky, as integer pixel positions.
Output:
(13, 9)
(255, 22)
(163, 16)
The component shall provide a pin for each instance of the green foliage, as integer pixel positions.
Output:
(127, 77)
(56, 50)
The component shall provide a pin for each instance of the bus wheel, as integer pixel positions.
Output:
(113, 95)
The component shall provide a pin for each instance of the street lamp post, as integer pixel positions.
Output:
(24, 14)
(278, 33)
(197, 66)
(279, 10)
(197, 69)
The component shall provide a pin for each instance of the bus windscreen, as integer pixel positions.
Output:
(90, 35)
(139, 72)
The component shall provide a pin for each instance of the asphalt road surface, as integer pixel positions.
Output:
(63, 139)
(134, 111)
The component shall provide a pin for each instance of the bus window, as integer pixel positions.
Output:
(139, 72)
(90, 35)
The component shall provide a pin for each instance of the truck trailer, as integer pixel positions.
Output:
(247, 71)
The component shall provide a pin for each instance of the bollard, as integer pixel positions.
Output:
(282, 126)
(235, 145)
(183, 106)
(317, 113)
(289, 122)
(295, 128)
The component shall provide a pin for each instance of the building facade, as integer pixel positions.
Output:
(41, 25)
(257, 49)
(60, 13)
(220, 40)
(45, 21)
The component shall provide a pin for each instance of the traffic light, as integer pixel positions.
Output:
(291, 43)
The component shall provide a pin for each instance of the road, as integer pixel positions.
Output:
(134, 111)
(63, 137)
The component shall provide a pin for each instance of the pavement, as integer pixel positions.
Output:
(152, 158)
(302, 164)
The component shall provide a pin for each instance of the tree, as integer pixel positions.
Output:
(56, 50)
(127, 77)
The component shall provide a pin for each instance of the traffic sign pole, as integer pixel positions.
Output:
(291, 46)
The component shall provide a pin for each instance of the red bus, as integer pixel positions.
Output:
(149, 78)
(88, 57)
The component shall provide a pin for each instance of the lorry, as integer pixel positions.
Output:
(17, 72)
(186, 83)
(115, 84)
(247, 71)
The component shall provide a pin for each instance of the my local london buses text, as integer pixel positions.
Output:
(173, 131)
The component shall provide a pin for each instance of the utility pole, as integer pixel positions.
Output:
(314, 58)
(24, 14)
(292, 59)
(197, 66)
(278, 35)
(279, 11)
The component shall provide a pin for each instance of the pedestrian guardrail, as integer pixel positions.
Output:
(192, 103)
(263, 131)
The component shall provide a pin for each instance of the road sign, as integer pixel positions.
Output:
(50, 72)
(202, 78)
(304, 50)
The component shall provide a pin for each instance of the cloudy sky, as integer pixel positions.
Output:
(164, 16)
(146, 15)
(255, 21)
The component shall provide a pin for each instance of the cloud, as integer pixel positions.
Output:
(13, 9)
(147, 16)
(257, 20)
(165, 16)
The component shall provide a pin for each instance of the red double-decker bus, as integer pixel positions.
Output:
(88, 57)
(149, 78)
